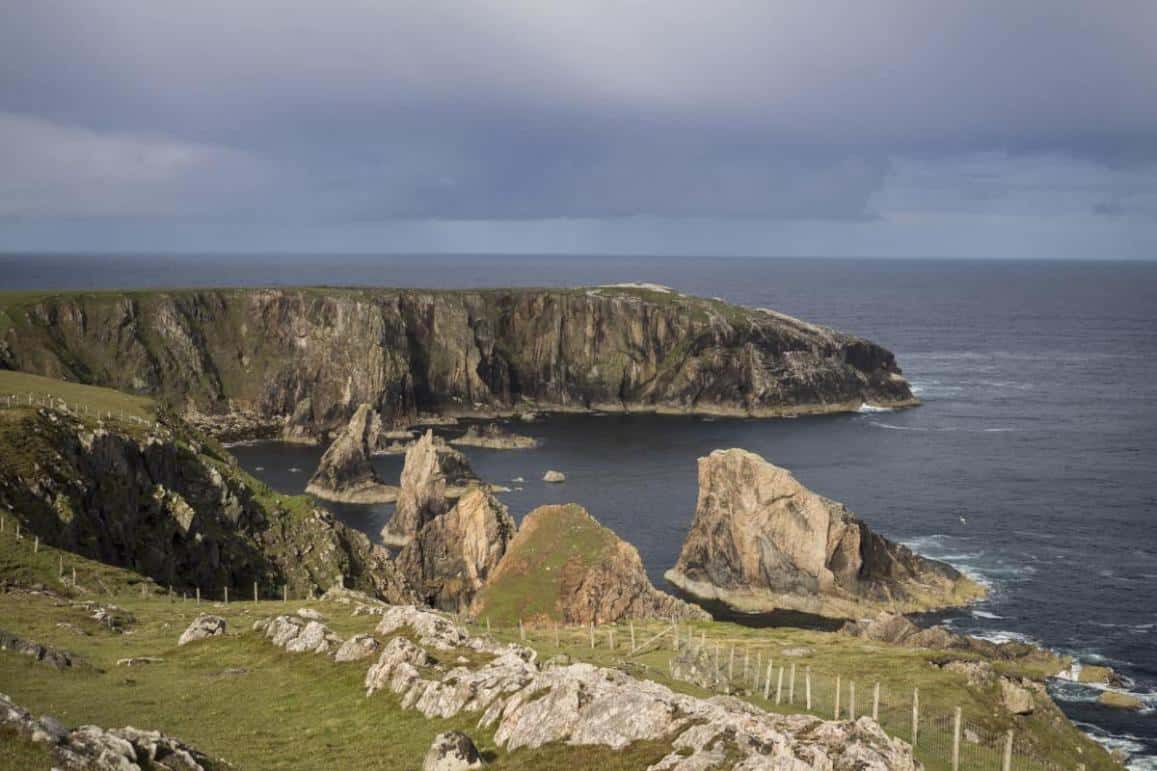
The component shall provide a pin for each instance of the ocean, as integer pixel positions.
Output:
(1032, 464)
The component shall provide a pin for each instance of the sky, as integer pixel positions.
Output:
(899, 128)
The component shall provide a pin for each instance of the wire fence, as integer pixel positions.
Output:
(80, 409)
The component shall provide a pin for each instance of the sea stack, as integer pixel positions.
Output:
(345, 473)
(451, 557)
(565, 566)
(422, 495)
(761, 541)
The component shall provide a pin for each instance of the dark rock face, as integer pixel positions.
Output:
(453, 555)
(345, 473)
(160, 502)
(263, 352)
(43, 654)
(761, 541)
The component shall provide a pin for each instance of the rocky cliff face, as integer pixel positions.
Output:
(345, 473)
(564, 566)
(761, 541)
(422, 495)
(453, 555)
(158, 500)
(306, 358)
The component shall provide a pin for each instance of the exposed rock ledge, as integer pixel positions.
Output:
(493, 437)
(760, 541)
(581, 704)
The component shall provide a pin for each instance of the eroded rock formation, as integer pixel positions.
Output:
(422, 495)
(760, 541)
(494, 437)
(453, 555)
(261, 352)
(580, 571)
(345, 473)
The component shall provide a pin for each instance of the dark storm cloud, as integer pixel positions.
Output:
(362, 111)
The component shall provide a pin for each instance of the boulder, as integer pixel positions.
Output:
(553, 476)
(1016, 697)
(43, 654)
(345, 473)
(314, 637)
(1095, 675)
(309, 614)
(761, 541)
(203, 627)
(452, 751)
(582, 573)
(979, 674)
(360, 646)
(452, 556)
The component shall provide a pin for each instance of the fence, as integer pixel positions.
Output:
(759, 671)
(80, 409)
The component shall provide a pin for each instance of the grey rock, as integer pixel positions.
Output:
(202, 628)
(452, 751)
(358, 647)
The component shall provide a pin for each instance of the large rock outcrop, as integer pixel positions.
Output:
(345, 473)
(160, 500)
(261, 352)
(564, 566)
(454, 554)
(760, 541)
(422, 495)
(532, 705)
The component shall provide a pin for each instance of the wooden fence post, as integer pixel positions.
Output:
(779, 686)
(876, 703)
(746, 663)
(254, 592)
(675, 637)
(488, 625)
(915, 716)
(1006, 761)
(632, 635)
(74, 577)
(285, 593)
(198, 595)
(837, 710)
(807, 682)
(791, 686)
(956, 741)
(60, 571)
(226, 594)
(731, 665)
(592, 628)
(767, 679)
(36, 545)
(851, 700)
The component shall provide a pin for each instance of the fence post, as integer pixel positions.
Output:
(779, 686)
(1006, 761)
(956, 741)
(767, 679)
(198, 595)
(632, 635)
(746, 662)
(36, 545)
(74, 577)
(226, 594)
(60, 572)
(731, 665)
(611, 636)
(254, 592)
(851, 700)
(521, 630)
(915, 716)
(675, 637)
(488, 625)
(837, 709)
(755, 672)
(285, 594)
(876, 703)
(791, 686)
(592, 628)
(807, 675)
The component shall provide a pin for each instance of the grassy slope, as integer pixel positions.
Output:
(528, 582)
(76, 395)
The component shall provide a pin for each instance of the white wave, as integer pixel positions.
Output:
(866, 408)
(985, 614)
(893, 427)
(1004, 636)
(1129, 745)
(998, 430)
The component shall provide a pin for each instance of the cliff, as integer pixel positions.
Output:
(564, 566)
(254, 361)
(760, 541)
(167, 503)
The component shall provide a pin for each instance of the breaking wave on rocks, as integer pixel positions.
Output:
(1132, 747)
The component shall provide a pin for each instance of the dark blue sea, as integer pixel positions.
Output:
(1032, 464)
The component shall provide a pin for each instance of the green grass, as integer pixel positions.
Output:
(76, 395)
(528, 584)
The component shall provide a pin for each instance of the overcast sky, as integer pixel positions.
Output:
(891, 127)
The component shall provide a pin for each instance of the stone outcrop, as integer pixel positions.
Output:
(581, 704)
(91, 747)
(493, 437)
(465, 353)
(452, 751)
(299, 635)
(345, 473)
(453, 555)
(202, 628)
(163, 501)
(760, 541)
(433, 474)
(581, 573)
(1016, 696)
(554, 477)
(42, 654)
